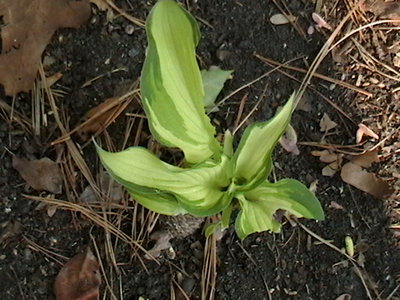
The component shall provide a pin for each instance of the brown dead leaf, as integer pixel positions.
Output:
(326, 123)
(365, 160)
(42, 175)
(331, 169)
(79, 279)
(289, 141)
(100, 116)
(29, 26)
(382, 9)
(364, 130)
(368, 182)
(327, 156)
(110, 188)
(320, 21)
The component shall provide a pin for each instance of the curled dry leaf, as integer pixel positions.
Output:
(327, 156)
(326, 123)
(281, 19)
(344, 297)
(364, 130)
(42, 175)
(108, 187)
(101, 116)
(331, 169)
(79, 279)
(368, 182)
(289, 141)
(320, 21)
(28, 28)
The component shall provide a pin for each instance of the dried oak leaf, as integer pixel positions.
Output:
(28, 28)
(367, 182)
(42, 175)
(79, 279)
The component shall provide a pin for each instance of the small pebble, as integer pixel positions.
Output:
(129, 29)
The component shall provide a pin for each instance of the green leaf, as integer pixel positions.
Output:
(213, 82)
(171, 86)
(253, 158)
(200, 191)
(259, 205)
(159, 202)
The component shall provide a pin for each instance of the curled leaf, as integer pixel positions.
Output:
(364, 130)
(320, 21)
(289, 141)
(260, 204)
(79, 279)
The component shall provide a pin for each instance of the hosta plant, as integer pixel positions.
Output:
(216, 178)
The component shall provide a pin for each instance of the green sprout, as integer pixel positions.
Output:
(216, 178)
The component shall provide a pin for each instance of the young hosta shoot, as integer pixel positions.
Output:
(216, 178)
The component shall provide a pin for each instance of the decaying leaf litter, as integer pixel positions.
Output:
(116, 214)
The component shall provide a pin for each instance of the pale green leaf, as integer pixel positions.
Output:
(252, 159)
(213, 82)
(259, 205)
(171, 86)
(199, 191)
(158, 202)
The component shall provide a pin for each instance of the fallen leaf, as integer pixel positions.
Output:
(365, 160)
(281, 19)
(313, 186)
(101, 116)
(42, 175)
(320, 21)
(364, 130)
(110, 188)
(336, 205)
(327, 156)
(331, 169)
(368, 182)
(28, 28)
(79, 279)
(289, 141)
(382, 9)
(344, 297)
(326, 123)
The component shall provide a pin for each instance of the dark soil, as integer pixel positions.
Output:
(289, 265)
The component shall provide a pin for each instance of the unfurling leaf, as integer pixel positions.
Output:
(171, 86)
(213, 82)
(199, 191)
(260, 204)
(79, 279)
(252, 160)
